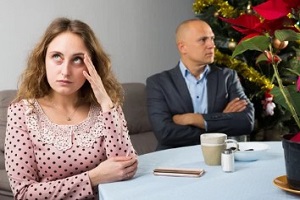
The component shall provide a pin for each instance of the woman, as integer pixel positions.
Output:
(66, 131)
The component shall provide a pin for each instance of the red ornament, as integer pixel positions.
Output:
(268, 104)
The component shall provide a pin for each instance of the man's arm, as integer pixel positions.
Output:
(237, 116)
(195, 119)
(231, 111)
(164, 101)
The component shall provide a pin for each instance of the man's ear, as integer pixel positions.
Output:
(181, 47)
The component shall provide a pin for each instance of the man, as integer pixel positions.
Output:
(196, 97)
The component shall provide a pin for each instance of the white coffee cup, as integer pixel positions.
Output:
(213, 138)
(213, 144)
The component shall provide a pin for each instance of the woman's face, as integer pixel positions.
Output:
(64, 63)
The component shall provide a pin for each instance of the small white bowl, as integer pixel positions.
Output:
(250, 151)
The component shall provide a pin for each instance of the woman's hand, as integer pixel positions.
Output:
(96, 83)
(114, 169)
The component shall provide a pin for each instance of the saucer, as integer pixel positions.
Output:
(281, 182)
(250, 151)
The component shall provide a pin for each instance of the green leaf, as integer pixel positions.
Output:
(261, 58)
(258, 43)
(295, 64)
(295, 96)
(294, 71)
(287, 35)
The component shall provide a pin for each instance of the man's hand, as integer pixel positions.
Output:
(193, 119)
(236, 105)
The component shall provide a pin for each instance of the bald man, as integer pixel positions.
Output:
(196, 96)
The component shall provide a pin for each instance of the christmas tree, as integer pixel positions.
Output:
(257, 77)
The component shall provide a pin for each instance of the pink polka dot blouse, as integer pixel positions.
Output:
(45, 160)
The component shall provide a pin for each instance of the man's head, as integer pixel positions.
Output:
(195, 43)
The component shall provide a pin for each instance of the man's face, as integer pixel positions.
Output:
(198, 44)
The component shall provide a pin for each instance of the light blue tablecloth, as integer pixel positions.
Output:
(250, 180)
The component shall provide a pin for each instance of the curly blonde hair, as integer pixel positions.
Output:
(33, 81)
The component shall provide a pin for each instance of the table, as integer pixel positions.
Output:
(250, 180)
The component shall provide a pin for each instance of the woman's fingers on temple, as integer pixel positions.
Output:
(90, 64)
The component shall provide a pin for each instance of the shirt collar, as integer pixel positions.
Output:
(185, 71)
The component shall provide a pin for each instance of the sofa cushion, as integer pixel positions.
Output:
(135, 108)
(4, 183)
(144, 142)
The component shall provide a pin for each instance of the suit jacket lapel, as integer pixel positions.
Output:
(181, 87)
(212, 87)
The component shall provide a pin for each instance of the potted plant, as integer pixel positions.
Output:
(272, 26)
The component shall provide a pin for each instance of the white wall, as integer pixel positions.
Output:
(138, 34)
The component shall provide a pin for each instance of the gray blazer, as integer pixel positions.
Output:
(167, 95)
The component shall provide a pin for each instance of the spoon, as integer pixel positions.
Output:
(234, 149)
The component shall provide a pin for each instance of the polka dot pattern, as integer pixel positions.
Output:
(41, 169)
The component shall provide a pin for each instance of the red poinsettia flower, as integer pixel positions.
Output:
(246, 24)
(250, 25)
(270, 16)
(298, 84)
(275, 9)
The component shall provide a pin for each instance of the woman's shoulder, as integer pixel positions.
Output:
(22, 105)
(17, 104)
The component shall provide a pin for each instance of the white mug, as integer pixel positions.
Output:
(213, 144)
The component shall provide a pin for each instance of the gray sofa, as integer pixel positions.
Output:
(135, 112)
